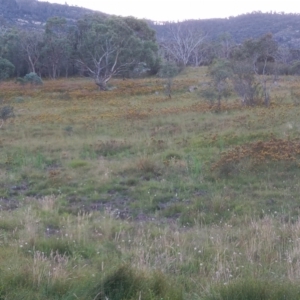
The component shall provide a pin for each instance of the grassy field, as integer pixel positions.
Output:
(128, 194)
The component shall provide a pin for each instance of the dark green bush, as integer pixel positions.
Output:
(31, 78)
(6, 112)
(126, 284)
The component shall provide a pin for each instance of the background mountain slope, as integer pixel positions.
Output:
(284, 27)
(32, 13)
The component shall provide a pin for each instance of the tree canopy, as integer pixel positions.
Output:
(6, 68)
(95, 46)
(114, 46)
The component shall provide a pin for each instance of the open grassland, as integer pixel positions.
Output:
(128, 194)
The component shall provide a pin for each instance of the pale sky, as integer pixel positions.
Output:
(177, 10)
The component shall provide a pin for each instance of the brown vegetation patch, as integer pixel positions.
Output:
(260, 152)
(110, 147)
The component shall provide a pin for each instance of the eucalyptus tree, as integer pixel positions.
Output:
(245, 82)
(224, 46)
(6, 69)
(203, 55)
(6, 112)
(254, 65)
(181, 42)
(220, 72)
(57, 49)
(266, 64)
(10, 48)
(112, 46)
(32, 44)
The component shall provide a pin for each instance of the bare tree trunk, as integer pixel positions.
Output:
(31, 64)
(182, 41)
(169, 87)
(102, 84)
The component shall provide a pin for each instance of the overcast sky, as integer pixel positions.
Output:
(175, 10)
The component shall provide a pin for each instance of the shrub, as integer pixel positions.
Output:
(126, 284)
(31, 78)
(6, 68)
(146, 165)
(168, 71)
(6, 112)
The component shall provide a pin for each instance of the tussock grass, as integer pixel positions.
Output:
(121, 259)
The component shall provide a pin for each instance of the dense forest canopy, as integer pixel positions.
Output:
(95, 46)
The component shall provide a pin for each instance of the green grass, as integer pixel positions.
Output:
(256, 290)
(100, 190)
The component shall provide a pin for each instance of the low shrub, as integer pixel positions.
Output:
(126, 283)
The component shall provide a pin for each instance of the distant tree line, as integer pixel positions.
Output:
(283, 26)
(102, 47)
(95, 46)
(251, 68)
(188, 45)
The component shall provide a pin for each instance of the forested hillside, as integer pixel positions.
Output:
(284, 27)
(33, 14)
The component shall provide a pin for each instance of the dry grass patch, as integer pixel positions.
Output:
(261, 152)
